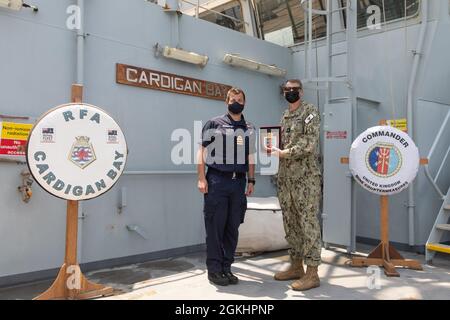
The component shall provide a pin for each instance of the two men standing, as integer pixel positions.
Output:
(299, 185)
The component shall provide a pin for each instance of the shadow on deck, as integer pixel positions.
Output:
(186, 278)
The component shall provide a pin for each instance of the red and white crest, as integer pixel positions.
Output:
(82, 153)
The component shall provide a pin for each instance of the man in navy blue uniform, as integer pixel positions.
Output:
(227, 149)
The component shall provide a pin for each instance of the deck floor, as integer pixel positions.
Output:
(186, 278)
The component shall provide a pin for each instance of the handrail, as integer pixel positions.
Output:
(313, 11)
(430, 154)
(214, 11)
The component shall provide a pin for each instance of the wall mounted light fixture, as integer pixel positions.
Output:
(182, 55)
(11, 4)
(16, 5)
(237, 61)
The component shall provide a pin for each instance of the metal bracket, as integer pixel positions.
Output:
(407, 205)
(123, 200)
(138, 230)
(34, 8)
(158, 50)
(83, 35)
(25, 188)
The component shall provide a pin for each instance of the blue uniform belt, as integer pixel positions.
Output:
(232, 175)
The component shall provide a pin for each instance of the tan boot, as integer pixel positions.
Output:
(295, 271)
(309, 281)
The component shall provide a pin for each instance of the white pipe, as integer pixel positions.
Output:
(310, 39)
(80, 80)
(410, 117)
(80, 44)
(197, 9)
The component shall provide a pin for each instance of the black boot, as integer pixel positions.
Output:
(231, 277)
(218, 278)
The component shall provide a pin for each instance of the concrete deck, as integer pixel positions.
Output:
(185, 278)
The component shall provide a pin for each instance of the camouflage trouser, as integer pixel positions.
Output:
(300, 200)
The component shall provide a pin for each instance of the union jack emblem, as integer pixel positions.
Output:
(47, 130)
(82, 153)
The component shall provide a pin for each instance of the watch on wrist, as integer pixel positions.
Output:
(251, 180)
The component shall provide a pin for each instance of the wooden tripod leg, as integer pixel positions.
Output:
(394, 254)
(377, 252)
(58, 289)
(408, 263)
(91, 290)
(389, 267)
(366, 262)
(385, 255)
(398, 260)
(375, 258)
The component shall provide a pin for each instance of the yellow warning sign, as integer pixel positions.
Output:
(15, 131)
(401, 124)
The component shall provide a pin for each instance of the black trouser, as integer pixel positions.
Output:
(224, 209)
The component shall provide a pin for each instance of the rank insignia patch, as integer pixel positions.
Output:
(309, 118)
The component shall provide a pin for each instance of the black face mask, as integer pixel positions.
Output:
(235, 108)
(292, 96)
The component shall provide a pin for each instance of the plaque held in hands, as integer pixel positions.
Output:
(270, 138)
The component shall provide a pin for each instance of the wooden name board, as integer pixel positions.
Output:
(157, 80)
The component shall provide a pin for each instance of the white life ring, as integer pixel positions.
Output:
(384, 160)
(76, 152)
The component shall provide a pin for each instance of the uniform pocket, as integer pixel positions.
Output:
(210, 206)
(243, 208)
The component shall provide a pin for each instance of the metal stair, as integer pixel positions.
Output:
(335, 27)
(339, 112)
(440, 228)
(439, 155)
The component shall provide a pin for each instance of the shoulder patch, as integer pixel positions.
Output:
(309, 118)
